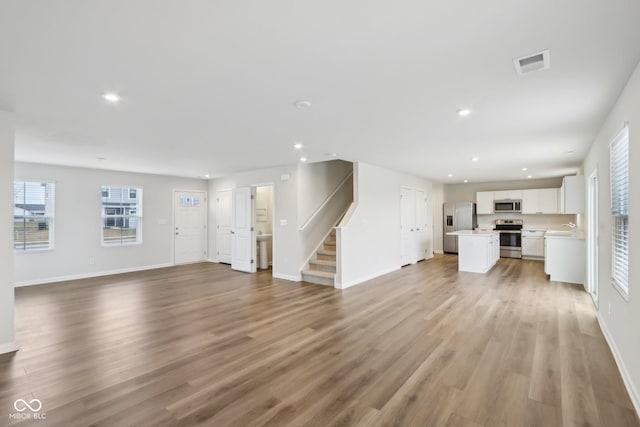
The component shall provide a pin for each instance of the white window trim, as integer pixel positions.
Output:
(138, 216)
(624, 293)
(51, 218)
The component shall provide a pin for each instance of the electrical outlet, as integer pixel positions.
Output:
(92, 260)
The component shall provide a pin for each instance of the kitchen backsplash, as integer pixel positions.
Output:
(544, 222)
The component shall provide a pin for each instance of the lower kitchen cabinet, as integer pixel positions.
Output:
(564, 258)
(533, 244)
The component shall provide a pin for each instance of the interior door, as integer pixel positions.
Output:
(407, 226)
(223, 228)
(243, 236)
(422, 229)
(190, 226)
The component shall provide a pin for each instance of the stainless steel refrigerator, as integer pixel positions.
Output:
(457, 216)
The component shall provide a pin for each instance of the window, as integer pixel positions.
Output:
(619, 156)
(33, 213)
(121, 215)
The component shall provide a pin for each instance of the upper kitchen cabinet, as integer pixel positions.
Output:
(484, 202)
(541, 201)
(507, 195)
(572, 195)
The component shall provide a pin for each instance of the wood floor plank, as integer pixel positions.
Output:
(424, 346)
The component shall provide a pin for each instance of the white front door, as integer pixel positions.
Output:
(223, 228)
(243, 236)
(407, 226)
(189, 220)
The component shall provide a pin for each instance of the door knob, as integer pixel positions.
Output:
(232, 232)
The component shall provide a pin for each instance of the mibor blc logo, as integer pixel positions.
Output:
(28, 410)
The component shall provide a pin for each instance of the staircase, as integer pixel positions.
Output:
(322, 269)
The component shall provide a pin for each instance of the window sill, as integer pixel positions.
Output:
(623, 293)
(32, 251)
(120, 245)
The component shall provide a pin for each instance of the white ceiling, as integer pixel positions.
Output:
(208, 86)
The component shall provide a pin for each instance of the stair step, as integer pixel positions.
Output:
(323, 265)
(327, 252)
(319, 277)
(331, 242)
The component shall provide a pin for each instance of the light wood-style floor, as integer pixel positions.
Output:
(425, 346)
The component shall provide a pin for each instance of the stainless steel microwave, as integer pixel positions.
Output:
(507, 206)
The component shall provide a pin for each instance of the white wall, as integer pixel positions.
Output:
(286, 254)
(370, 240)
(307, 186)
(78, 224)
(7, 337)
(621, 326)
(437, 217)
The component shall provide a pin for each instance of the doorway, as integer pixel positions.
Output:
(414, 228)
(592, 236)
(190, 226)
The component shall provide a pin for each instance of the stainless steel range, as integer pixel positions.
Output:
(510, 237)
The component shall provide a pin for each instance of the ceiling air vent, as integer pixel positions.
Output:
(536, 62)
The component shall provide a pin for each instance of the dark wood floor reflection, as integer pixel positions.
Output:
(425, 346)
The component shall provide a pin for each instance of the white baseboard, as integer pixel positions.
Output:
(438, 252)
(212, 260)
(366, 278)
(287, 277)
(628, 382)
(89, 275)
(8, 347)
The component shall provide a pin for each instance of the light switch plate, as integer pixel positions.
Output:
(284, 222)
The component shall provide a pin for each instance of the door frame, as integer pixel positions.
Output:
(173, 222)
(592, 235)
(273, 222)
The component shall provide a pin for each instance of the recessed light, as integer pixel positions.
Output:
(303, 159)
(474, 159)
(298, 146)
(302, 104)
(529, 176)
(206, 175)
(332, 154)
(524, 169)
(466, 180)
(464, 112)
(450, 175)
(111, 97)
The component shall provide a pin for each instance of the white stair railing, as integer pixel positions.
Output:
(326, 202)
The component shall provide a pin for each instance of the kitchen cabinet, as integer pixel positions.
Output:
(478, 251)
(507, 195)
(533, 244)
(572, 195)
(484, 202)
(540, 201)
(564, 259)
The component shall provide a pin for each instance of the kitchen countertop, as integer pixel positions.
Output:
(560, 234)
(473, 233)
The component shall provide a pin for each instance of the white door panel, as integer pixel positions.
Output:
(223, 228)
(407, 226)
(243, 239)
(190, 226)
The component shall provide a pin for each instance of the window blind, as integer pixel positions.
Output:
(619, 158)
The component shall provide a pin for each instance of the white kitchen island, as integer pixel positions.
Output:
(478, 250)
